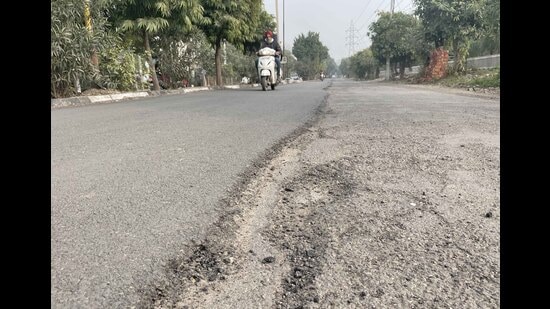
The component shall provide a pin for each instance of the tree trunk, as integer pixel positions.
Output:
(149, 53)
(219, 81)
(401, 69)
(393, 70)
(388, 69)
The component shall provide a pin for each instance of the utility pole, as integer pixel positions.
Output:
(283, 26)
(283, 65)
(279, 32)
(387, 55)
(277, 15)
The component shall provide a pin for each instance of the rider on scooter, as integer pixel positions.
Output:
(268, 41)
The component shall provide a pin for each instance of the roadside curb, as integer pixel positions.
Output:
(109, 98)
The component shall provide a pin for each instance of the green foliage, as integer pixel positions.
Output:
(491, 16)
(180, 54)
(266, 21)
(477, 78)
(290, 65)
(345, 67)
(153, 16)
(236, 22)
(453, 23)
(486, 45)
(397, 36)
(118, 69)
(232, 20)
(176, 34)
(238, 64)
(486, 81)
(311, 53)
(489, 42)
(332, 67)
(150, 17)
(363, 65)
(72, 45)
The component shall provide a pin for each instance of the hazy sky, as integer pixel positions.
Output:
(342, 24)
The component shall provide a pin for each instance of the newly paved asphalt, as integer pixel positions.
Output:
(134, 181)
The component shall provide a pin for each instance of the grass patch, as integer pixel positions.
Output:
(473, 78)
(478, 78)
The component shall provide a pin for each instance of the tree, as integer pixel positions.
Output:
(239, 64)
(395, 35)
(332, 68)
(150, 17)
(453, 23)
(118, 68)
(266, 21)
(311, 53)
(232, 21)
(363, 65)
(489, 42)
(345, 67)
(72, 44)
(182, 54)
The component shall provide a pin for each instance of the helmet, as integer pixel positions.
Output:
(268, 32)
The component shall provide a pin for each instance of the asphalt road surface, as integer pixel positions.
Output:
(334, 194)
(133, 181)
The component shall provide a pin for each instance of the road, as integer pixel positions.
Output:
(133, 181)
(362, 195)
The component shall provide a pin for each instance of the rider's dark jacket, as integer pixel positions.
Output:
(274, 45)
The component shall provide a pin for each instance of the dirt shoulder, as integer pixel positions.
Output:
(486, 93)
(389, 197)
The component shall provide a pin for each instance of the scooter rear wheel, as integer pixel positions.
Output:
(263, 81)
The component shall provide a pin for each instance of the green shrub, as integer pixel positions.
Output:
(481, 78)
(73, 46)
(491, 79)
(118, 69)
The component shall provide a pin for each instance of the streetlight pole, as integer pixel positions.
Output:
(279, 32)
(277, 14)
(283, 33)
(387, 55)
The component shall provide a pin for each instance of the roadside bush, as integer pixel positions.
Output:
(74, 46)
(490, 79)
(118, 69)
(482, 78)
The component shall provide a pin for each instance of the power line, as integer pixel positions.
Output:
(364, 9)
(405, 9)
(392, 8)
(370, 19)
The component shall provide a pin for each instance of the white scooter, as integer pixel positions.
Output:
(267, 68)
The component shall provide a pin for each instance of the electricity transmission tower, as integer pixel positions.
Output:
(350, 39)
